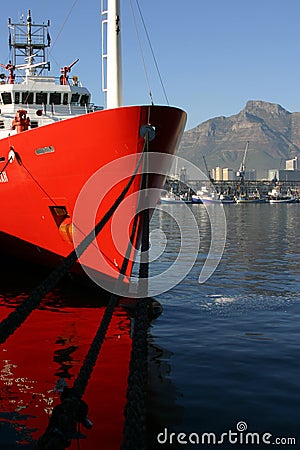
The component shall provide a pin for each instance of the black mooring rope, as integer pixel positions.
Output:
(5, 165)
(134, 432)
(84, 375)
(17, 317)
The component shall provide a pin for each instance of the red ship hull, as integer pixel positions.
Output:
(56, 162)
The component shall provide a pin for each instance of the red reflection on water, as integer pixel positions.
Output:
(53, 344)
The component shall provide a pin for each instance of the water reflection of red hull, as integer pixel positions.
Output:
(53, 344)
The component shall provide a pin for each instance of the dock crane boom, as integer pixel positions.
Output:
(242, 169)
(208, 171)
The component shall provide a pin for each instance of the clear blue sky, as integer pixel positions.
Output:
(213, 55)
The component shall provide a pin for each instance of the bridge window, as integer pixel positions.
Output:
(75, 98)
(27, 98)
(6, 98)
(2, 124)
(17, 98)
(84, 100)
(34, 124)
(41, 98)
(55, 98)
(65, 98)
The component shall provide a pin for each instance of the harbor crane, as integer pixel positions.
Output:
(241, 172)
(208, 171)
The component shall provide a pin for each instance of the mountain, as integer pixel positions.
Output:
(273, 134)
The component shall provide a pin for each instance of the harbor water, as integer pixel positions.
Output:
(229, 348)
(224, 359)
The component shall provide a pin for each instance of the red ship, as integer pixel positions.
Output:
(53, 139)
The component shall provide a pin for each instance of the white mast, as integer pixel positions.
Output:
(111, 53)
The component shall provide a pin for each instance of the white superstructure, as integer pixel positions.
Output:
(45, 99)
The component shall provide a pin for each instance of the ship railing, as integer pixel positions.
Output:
(19, 79)
(73, 109)
(94, 108)
(48, 112)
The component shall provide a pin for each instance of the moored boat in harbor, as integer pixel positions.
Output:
(169, 198)
(255, 197)
(277, 196)
(52, 141)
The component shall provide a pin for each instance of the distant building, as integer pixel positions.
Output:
(228, 174)
(218, 174)
(288, 175)
(291, 164)
(284, 175)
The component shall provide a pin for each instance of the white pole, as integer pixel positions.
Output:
(113, 88)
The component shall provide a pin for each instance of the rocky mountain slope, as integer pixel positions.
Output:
(273, 134)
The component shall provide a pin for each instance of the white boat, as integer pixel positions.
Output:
(227, 198)
(276, 196)
(250, 198)
(196, 198)
(170, 198)
(206, 195)
(186, 197)
(282, 200)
